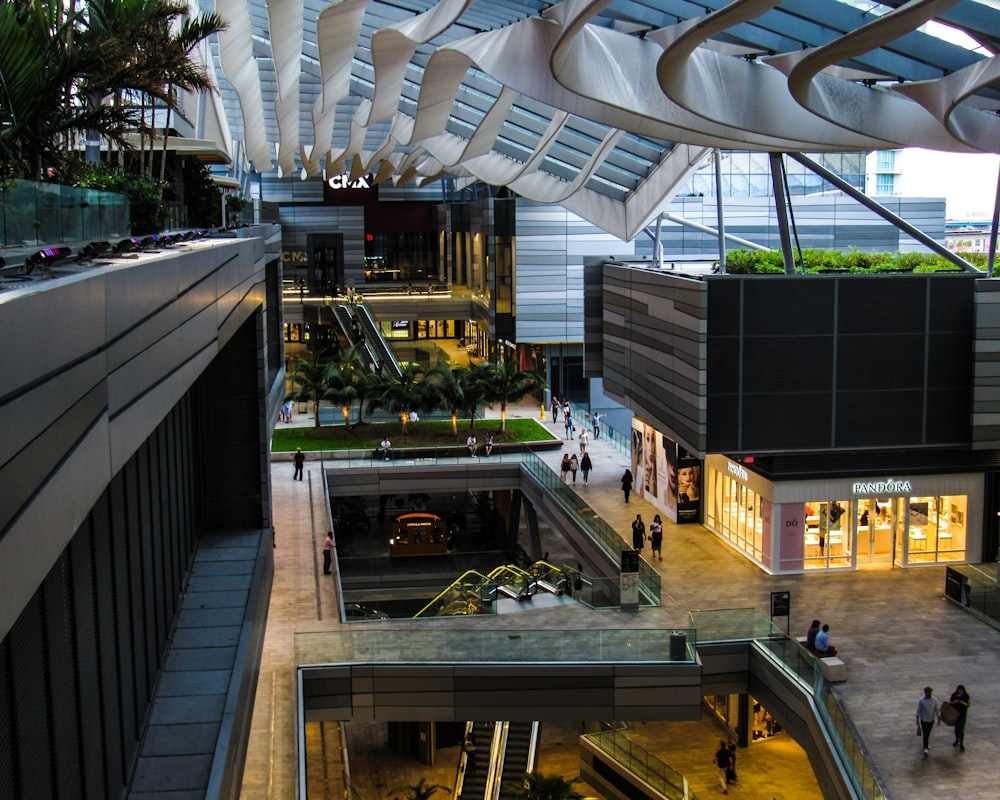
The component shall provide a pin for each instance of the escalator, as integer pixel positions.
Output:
(474, 770)
(519, 754)
(358, 326)
(505, 753)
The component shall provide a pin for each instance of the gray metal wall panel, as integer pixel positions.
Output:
(100, 323)
(551, 245)
(986, 366)
(823, 222)
(655, 354)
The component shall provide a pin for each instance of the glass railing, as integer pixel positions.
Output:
(622, 441)
(738, 624)
(639, 762)
(369, 644)
(586, 517)
(589, 520)
(34, 214)
(851, 747)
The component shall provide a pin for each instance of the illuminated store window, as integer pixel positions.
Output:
(936, 529)
(738, 515)
(828, 542)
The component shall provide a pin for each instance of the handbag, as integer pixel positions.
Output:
(949, 713)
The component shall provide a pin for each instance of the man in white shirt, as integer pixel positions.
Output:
(928, 709)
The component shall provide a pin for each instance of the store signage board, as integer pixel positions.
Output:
(781, 606)
(890, 486)
(344, 181)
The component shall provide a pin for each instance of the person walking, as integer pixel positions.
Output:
(300, 460)
(328, 553)
(574, 465)
(569, 427)
(731, 772)
(638, 533)
(586, 465)
(627, 483)
(595, 423)
(961, 701)
(555, 409)
(584, 441)
(564, 468)
(656, 537)
(723, 760)
(928, 709)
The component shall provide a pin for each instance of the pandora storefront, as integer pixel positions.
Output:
(838, 524)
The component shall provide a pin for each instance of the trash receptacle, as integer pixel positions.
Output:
(678, 645)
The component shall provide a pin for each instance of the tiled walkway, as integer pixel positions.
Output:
(893, 627)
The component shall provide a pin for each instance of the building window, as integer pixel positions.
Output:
(886, 160)
(738, 515)
(885, 184)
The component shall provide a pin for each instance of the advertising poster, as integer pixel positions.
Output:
(638, 458)
(649, 483)
(688, 487)
(666, 475)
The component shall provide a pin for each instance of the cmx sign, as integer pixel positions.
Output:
(343, 181)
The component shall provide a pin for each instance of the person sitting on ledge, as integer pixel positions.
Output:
(811, 634)
(823, 647)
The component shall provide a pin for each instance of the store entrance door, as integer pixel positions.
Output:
(877, 530)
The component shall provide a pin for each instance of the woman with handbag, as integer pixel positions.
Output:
(960, 701)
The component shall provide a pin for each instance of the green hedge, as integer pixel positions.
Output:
(819, 262)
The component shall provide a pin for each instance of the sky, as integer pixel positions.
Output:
(967, 181)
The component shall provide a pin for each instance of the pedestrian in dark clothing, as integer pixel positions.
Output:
(627, 483)
(586, 466)
(731, 772)
(723, 760)
(470, 751)
(300, 460)
(328, 553)
(638, 532)
(961, 700)
(656, 537)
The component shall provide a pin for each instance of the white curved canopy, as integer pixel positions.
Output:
(602, 106)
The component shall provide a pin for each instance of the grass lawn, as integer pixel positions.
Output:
(426, 433)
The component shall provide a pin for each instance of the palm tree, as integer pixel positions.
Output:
(59, 63)
(459, 391)
(365, 382)
(341, 388)
(409, 392)
(537, 786)
(416, 791)
(149, 53)
(39, 67)
(507, 383)
(311, 379)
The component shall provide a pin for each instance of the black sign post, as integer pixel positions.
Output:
(781, 606)
(630, 580)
